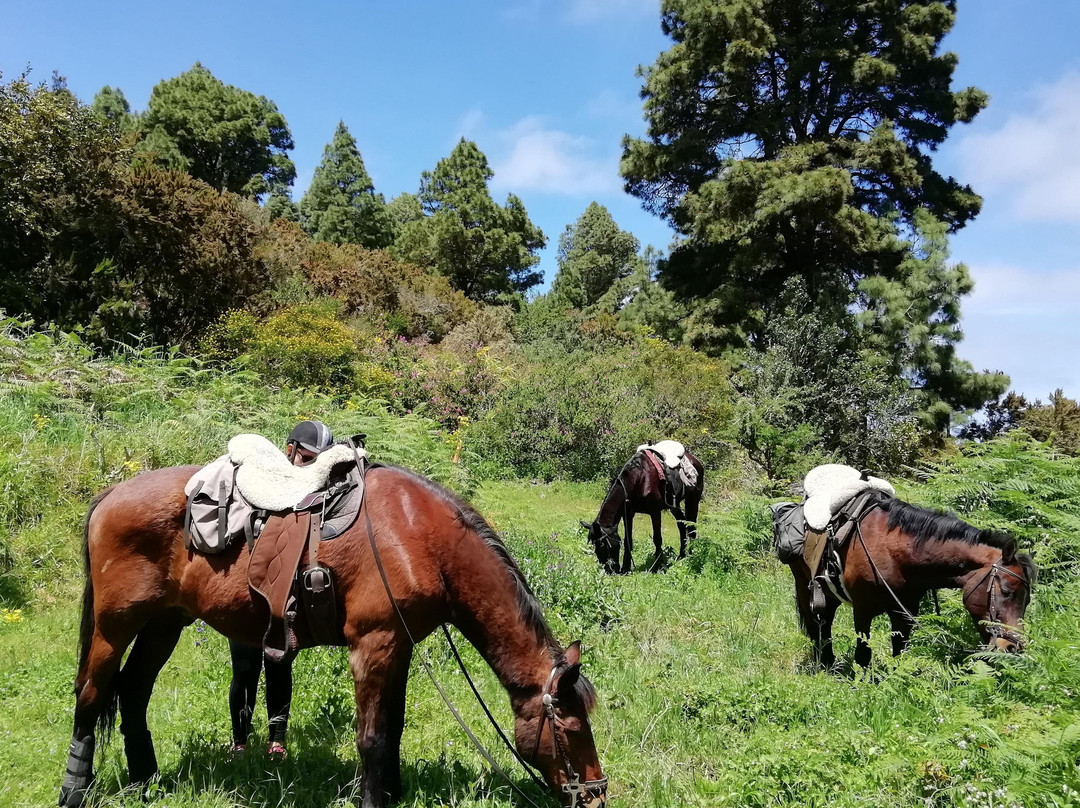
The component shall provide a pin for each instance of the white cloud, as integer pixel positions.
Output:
(1023, 321)
(533, 157)
(1033, 158)
(588, 11)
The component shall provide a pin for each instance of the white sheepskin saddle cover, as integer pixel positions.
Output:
(826, 489)
(269, 481)
(670, 450)
(674, 456)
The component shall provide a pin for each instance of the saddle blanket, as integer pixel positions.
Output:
(673, 455)
(225, 495)
(826, 489)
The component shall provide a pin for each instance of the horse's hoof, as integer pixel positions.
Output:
(72, 796)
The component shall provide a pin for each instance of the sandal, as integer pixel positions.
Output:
(277, 751)
(236, 751)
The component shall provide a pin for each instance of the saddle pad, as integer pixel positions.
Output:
(670, 450)
(269, 481)
(828, 487)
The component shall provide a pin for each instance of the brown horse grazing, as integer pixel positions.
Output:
(444, 565)
(639, 488)
(901, 552)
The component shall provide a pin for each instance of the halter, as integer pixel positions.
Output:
(992, 575)
(574, 787)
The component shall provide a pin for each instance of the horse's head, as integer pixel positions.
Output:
(997, 595)
(605, 541)
(553, 734)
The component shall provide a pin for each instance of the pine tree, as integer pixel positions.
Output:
(110, 104)
(341, 205)
(593, 254)
(227, 137)
(484, 249)
(792, 140)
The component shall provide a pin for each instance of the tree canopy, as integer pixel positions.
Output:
(789, 138)
(229, 138)
(484, 249)
(593, 254)
(792, 139)
(341, 205)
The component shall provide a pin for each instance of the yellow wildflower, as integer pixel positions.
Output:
(11, 616)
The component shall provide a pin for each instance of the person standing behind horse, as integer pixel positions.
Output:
(305, 442)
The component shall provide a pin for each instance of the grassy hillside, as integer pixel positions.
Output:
(706, 696)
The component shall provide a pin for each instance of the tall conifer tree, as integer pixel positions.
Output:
(341, 205)
(593, 254)
(485, 249)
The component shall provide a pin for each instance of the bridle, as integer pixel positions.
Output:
(996, 628)
(578, 791)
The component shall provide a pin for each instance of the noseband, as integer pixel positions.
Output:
(577, 790)
(992, 576)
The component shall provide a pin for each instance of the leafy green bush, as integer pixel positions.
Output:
(576, 593)
(580, 415)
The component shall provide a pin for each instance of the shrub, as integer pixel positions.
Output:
(580, 415)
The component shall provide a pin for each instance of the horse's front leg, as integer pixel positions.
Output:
(657, 536)
(380, 668)
(863, 618)
(680, 520)
(902, 626)
(628, 541)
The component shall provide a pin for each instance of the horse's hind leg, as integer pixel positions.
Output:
(693, 501)
(380, 667)
(628, 541)
(657, 537)
(93, 705)
(153, 647)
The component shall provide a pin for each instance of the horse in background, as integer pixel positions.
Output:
(897, 554)
(641, 486)
(444, 564)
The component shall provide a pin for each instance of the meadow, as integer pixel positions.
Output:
(707, 696)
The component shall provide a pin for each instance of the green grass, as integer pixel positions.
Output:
(706, 699)
(706, 694)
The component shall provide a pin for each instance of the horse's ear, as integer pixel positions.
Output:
(585, 525)
(573, 653)
(1008, 553)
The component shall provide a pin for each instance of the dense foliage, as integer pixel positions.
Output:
(228, 137)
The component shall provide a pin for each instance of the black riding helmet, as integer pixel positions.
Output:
(314, 436)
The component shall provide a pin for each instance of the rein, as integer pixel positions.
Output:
(574, 787)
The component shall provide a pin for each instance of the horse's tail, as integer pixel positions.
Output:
(87, 624)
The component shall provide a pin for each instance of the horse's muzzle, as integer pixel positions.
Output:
(1009, 645)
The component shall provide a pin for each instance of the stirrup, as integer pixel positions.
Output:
(817, 596)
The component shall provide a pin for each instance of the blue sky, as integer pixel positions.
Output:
(547, 89)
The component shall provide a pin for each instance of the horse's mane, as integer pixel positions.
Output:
(924, 524)
(528, 606)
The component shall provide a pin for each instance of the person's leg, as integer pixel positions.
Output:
(278, 700)
(246, 666)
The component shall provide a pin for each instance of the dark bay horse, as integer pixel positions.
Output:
(900, 553)
(640, 488)
(444, 564)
